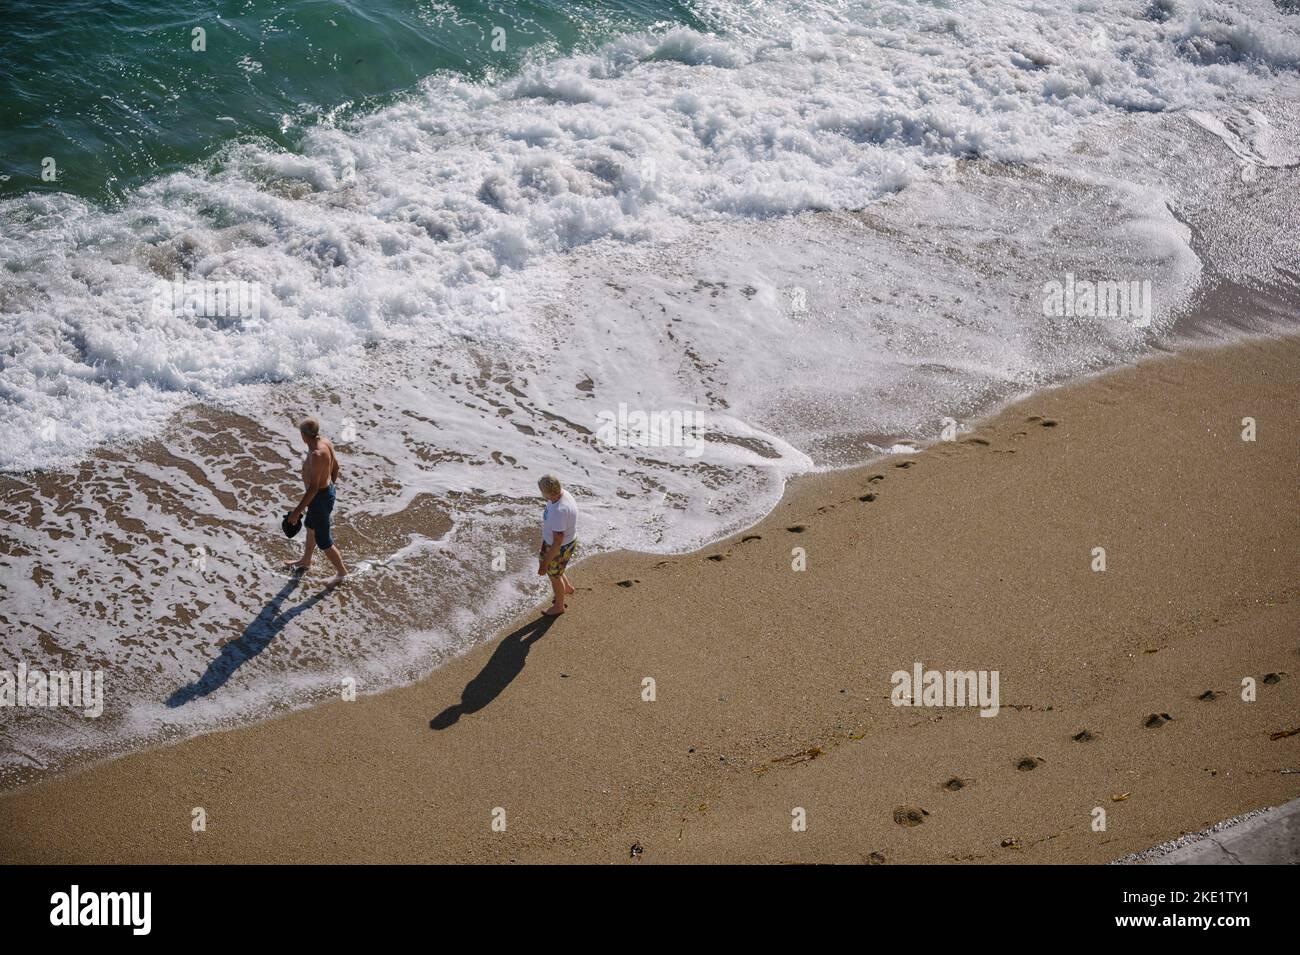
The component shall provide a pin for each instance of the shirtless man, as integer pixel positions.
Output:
(320, 469)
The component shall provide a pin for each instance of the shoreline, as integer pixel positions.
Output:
(765, 722)
(61, 485)
(147, 448)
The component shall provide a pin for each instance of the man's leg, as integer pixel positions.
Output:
(332, 552)
(557, 607)
(325, 541)
(568, 585)
(307, 553)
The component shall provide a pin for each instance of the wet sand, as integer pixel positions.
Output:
(773, 686)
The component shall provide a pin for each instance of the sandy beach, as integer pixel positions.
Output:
(1119, 689)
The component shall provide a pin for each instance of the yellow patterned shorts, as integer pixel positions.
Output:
(561, 560)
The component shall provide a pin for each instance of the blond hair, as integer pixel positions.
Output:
(549, 484)
(309, 427)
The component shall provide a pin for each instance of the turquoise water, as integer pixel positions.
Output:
(113, 91)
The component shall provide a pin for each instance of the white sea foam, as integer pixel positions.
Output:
(399, 225)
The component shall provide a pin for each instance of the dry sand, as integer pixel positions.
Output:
(773, 686)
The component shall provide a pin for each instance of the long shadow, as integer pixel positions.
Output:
(255, 638)
(506, 663)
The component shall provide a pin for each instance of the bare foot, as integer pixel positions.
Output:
(295, 565)
(336, 580)
(568, 590)
(552, 612)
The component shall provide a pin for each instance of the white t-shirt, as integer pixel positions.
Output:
(560, 515)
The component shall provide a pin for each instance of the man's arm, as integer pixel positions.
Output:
(556, 543)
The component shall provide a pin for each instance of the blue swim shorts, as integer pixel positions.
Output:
(318, 517)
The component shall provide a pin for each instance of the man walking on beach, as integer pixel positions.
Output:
(320, 469)
(559, 539)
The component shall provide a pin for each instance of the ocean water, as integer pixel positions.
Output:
(477, 233)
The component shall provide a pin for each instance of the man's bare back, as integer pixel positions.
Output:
(320, 461)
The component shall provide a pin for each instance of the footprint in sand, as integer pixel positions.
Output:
(1083, 736)
(904, 464)
(979, 441)
(797, 528)
(628, 583)
(956, 784)
(751, 537)
(875, 478)
(909, 816)
(1209, 696)
(1271, 678)
(1026, 763)
(867, 498)
(876, 858)
(1156, 720)
(716, 557)
(1048, 423)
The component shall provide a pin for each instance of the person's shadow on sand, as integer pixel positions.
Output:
(506, 663)
(255, 638)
